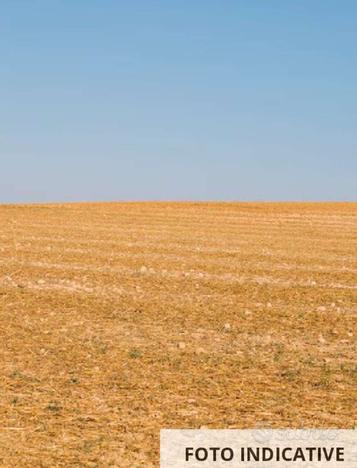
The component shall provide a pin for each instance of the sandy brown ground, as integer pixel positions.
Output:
(117, 320)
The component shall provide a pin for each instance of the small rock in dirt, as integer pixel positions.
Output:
(143, 269)
(321, 309)
(196, 336)
(182, 345)
(227, 326)
(322, 339)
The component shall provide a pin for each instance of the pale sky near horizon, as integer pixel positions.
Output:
(178, 100)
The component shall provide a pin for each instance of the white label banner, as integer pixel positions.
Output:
(233, 448)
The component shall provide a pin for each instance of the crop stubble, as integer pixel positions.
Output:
(118, 319)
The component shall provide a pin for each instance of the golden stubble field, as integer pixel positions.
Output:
(118, 319)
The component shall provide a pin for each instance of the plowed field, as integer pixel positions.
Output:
(118, 319)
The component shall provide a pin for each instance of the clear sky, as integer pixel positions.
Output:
(178, 99)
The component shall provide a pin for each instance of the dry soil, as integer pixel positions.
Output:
(119, 319)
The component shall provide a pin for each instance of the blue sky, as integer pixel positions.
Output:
(178, 100)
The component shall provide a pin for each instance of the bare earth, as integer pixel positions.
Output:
(119, 319)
